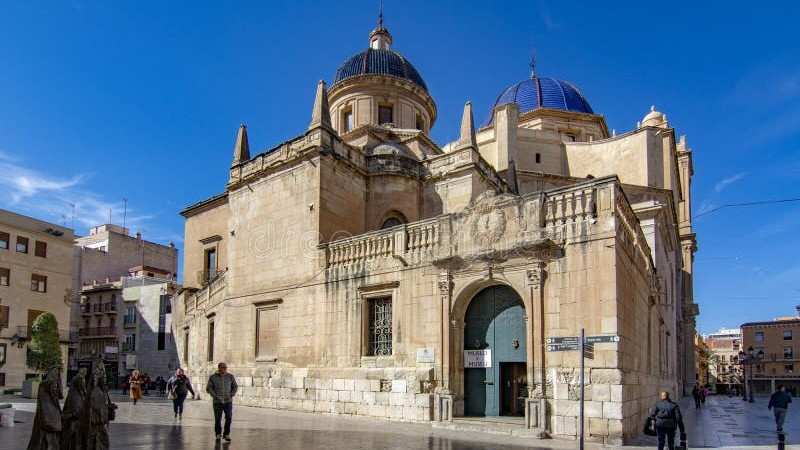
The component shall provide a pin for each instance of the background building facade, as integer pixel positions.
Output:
(725, 372)
(773, 359)
(35, 277)
(101, 261)
(362, 269)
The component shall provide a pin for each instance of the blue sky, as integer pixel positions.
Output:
(105, 100)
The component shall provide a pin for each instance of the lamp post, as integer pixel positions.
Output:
(754, 356)
(730, 380)
(742, 361)
(745, 359)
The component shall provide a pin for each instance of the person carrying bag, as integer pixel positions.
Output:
(667, 417)
(179, 387)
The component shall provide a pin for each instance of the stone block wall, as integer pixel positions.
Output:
(393, 393)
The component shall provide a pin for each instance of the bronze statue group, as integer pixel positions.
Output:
(83, 422)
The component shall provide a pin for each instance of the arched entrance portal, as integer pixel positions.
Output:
(495, 321)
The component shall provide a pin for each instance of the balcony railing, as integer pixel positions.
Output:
(86, 308)
(129, 320)
(97, 331)
(128, 347)
(207, 275)
(109, 307)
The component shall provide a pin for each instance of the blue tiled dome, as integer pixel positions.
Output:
(536, 93)
(379, 62)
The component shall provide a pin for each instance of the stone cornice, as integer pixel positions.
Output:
(205, 205)
(458, 160)
(319, 140)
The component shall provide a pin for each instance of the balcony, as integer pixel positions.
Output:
(64, 336)
(97, 308)
(129, 321)
(97, 332)
(207, 276)
(86, 309)
(128, 347)
(109, 308)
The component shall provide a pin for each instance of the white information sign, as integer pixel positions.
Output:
(477, 359)
(424, 355)
(130, 361)
(112, 349)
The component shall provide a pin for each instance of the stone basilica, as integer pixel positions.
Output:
(361, 268)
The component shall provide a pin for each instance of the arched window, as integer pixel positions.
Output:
(391, 222)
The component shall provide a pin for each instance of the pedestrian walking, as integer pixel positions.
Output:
(146, 384)
(779, 404)
(222, 387)
(179, 387)
(135, 385)
(667, 416)
(704, 392)
(697, 396)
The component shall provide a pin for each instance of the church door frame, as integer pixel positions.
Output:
(499, 320)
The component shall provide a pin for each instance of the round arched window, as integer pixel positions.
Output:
(391, 222)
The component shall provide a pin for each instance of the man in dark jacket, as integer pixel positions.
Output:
(779, 403)
(668, 418)
(697, 396)
(222, 387)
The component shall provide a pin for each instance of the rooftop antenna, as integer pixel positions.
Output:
(73, 216)
(124, 211)
(109, 215)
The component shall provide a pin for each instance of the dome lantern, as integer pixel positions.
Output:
(379, 38)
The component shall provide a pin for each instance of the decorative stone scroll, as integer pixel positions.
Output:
(534, 276)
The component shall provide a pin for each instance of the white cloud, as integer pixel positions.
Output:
(548, 20)
(705, 206)
(772, 84)
(60, 199)
(728, 181)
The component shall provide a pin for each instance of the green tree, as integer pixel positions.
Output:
(44, 350)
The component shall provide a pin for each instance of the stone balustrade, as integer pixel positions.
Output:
(209, 295)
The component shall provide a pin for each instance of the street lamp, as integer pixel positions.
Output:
(730, 380)
(745, 359)
(742, 357)
(754, 356)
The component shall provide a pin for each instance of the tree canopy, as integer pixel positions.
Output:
(44, 350)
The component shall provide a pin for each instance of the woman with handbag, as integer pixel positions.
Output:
(135, 385)
(179, 387)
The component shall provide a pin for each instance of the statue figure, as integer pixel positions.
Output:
(47, 421)
(73, 436)
(99, 410)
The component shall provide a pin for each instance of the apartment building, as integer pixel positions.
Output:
(770, 354)
(35, 277)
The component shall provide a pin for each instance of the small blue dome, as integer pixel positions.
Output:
(536, 93)
(379, 62)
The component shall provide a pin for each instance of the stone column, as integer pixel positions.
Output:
(537, 375)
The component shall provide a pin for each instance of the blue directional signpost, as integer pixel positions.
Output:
(584, 344)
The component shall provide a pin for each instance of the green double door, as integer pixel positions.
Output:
(495, 321)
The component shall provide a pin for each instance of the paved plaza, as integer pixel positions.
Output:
(723, 422)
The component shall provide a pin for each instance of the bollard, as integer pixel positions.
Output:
(682, 445)
(781, 441)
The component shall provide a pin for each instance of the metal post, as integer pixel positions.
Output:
(744, 380)
(580, 418)
(751, 382)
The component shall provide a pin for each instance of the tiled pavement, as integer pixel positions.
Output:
(722, 422)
